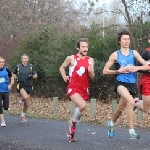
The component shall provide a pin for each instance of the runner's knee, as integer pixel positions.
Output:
(121, 108)
(82, 107)
(146, 109)
(131, 103)
(26, 97)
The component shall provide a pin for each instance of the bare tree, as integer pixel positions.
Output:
(22, 16)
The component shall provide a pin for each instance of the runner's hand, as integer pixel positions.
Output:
(133, 69)
(90, 69)
(123, 69)
(9, 87)
(66, 78)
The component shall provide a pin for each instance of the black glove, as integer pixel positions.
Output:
(17, 80)
(30, 76)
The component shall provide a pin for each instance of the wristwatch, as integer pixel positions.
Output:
(117, 72)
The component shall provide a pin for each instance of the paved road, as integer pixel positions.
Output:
(44, 134)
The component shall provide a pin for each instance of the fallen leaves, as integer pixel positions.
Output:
(43, 107)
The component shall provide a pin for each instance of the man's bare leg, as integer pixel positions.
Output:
(121, 106)
(81, 105)
(144, 104)
(128, 101)
(26, 99)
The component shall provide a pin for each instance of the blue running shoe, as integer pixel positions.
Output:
(134, 135)
(111, 130)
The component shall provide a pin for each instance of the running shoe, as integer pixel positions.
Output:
(23, 119)
(111, 130)
(71, 136)
(3, 124)
(134, 135)
(72, 126)
(72, 130)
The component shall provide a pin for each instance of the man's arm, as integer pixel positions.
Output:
(109, 63)
(33, 73)
(91, 72)
(11, 79)
(62, 68)
(144, 65)
(145, 56)
(14, 76)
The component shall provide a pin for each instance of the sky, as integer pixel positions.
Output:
(135, 10)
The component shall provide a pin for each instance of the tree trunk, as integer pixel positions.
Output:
(130, 26)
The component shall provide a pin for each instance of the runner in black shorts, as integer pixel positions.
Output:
(125, 59)
(24, 73)
(132, 88)
(5, 74)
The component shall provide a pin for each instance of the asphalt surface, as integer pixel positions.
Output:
(45, 134)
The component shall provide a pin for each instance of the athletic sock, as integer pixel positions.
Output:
(23, 114)
(111, 123)
(131, 130)
(77, 115)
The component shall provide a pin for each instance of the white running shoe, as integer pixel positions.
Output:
(3, 124)
(23, 119)
(134, 135)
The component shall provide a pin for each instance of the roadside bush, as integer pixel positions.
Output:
(47, 49)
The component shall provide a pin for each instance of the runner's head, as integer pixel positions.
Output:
(124, 39)
(24, 59)
(82, 46)
(2, 62)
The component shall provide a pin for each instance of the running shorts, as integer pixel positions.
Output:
(84, 92)
(131, 87)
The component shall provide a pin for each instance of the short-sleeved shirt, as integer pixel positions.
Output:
(22, 72)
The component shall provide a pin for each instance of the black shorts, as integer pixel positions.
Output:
(4, 97)
(27, 87)
(131, 87)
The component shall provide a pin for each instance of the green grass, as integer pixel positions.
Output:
(35, 115)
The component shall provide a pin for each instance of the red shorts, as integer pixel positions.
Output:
(84, 92)
(144, 87)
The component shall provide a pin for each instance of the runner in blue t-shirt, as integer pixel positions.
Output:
(5, 87)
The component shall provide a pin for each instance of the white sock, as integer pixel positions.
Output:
(77, 115)
(131, 130)
(111, 123)
(22, 114)
(21, 101)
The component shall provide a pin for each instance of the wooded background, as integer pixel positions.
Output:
(47, 31)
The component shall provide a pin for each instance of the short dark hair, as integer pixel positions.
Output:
(81, 40)
(2, 58)
(24, 55)
(124, 32)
